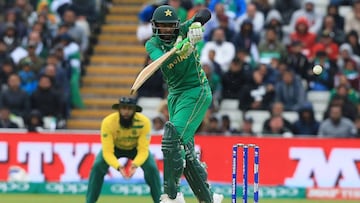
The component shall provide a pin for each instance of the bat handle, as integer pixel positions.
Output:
(178, 46)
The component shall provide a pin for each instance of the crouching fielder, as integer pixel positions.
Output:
(125, 133)
(188, 100)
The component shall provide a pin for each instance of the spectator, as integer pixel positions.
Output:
(247, 127)
(45, 17)
(72, 54)
(61, 84)
(213, 23)
(34, 121)
(45, 34)
(214, 82)
(232, 8)
(34, 39)
(235, 79)
(353, 39)
(346, 54)
(14, 98)
(76, 32)
(7, 68)
(350, 70)
(297, 61)
(10, 37)
(264, 6)
(307, 11)
(247, 40)
(163, 109)
(246, 59)
(224, 24)
(212, 61)
(348, 109)
(23, 10)
(253, 15)
(181, 12)
(158, 123)
(306, 125)
(5, 121)
(327, 45)
(256, 95)
(352, 19)
(287, 8)
(28, 77)
(36, 61)
(345, 91)
(213, 127)
(325, 80)
(329, 26)
(270, 47)
(270, 72)
(274, 20)
(46, 99)
(12, 19)
(339, 20)
(4, 52)
(277, 128)
(303, 35)
(337, 125)
(290, 91)
(225, 126)
(225, 51)
(276, 110)
(56, 57)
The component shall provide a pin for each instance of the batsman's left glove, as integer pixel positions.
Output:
(195, 33)
(185, 49)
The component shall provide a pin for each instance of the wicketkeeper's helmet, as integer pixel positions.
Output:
(167, 16)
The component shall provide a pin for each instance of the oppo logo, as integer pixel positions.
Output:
(315, 169)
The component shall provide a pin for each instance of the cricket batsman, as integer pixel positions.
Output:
(125, 133)
(188, 100)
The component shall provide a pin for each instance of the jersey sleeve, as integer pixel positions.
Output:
(143, 143)
(107, 142)
(154, 52)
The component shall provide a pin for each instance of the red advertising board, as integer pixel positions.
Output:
(283, 161)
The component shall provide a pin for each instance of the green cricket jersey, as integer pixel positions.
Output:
(179, 72)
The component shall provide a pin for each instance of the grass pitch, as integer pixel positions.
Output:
(34, 198)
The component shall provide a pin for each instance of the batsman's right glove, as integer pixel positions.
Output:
(196, 33)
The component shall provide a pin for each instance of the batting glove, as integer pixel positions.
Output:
(195, 33)
(185, 50)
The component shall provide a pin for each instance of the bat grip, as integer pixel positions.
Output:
(180, 44)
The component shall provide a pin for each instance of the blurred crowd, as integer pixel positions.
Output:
(44, 45)
(262, 53)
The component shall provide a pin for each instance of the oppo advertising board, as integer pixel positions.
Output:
(326, 167)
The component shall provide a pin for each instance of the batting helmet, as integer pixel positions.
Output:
(165, 17)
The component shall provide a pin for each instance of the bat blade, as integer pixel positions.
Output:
(149, 70)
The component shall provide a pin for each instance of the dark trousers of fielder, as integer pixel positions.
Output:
(100, 169)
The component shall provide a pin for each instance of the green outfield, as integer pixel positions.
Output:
(33, 198)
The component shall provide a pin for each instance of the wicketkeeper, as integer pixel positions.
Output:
(125, 133)
(188, 100)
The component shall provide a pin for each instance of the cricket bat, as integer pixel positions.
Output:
(150, 69)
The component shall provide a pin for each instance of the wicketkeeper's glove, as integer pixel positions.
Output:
(195, 33)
